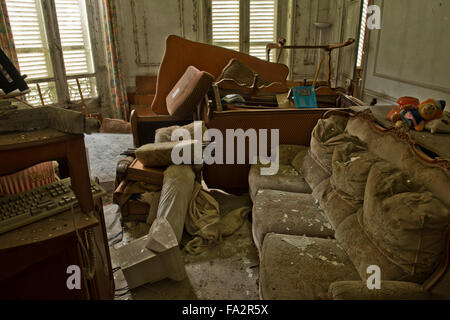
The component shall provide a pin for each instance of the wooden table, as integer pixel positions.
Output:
(34, 258)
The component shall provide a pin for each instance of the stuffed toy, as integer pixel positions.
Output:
(441, 125)
(417, 117)
(404, 103)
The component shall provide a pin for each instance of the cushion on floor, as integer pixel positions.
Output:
(301, 268)
(288, 213)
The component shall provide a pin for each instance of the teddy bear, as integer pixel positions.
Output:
(404, 103)
(416, 117)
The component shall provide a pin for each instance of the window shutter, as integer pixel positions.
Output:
(33, 54)
(74, 37)
(225, 23)
(29, 38)
(75, 42)
(262, 26)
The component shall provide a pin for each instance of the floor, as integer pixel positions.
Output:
(228, 271)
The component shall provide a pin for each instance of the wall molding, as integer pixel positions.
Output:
(376, 94)
(140, 60)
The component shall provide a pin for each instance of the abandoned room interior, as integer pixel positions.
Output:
(224, 150)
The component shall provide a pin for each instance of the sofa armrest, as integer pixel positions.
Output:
(390, 290)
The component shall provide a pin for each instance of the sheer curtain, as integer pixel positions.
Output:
(6, 37)
(116, 79)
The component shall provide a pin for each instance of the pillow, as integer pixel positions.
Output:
(30, 178)
(406, 222)
(160, 154)
(188, 93)
(326, 135)
(165, 134)
(313, 173)
(351, 167)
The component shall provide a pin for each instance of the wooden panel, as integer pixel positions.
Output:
(146, 84)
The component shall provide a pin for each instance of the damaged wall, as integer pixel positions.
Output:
(144, 25)
(409, 55)
(143, 28)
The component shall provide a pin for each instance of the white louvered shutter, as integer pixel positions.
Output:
(262, 26)
(31, 45)
(75, 42)
(225, 23)
(28, 28)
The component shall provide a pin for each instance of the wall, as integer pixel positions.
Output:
(409, 55)
(144, 25)
(343, 17)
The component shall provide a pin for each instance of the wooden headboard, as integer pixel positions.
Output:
(181, 53)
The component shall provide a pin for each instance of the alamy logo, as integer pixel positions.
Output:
(373, 17)
(74, 280)
(374, 280)
(235, 147)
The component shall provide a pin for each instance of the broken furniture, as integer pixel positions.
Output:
(43, 118)
(360, 197)
(295, 125)
(39, 254)
(204, 57)
(158, 256)
(281, 45)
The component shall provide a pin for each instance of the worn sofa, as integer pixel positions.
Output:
(359, 196)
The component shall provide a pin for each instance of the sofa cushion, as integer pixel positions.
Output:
(351, 166)
(301, 268)
(165, 134)
(398, 153)
(288, 213)
(406, 222)
(289, 152)
(363, 253)
(309, 169)
(160, 154)
(286, 179)
(328, 134)
(330, 201)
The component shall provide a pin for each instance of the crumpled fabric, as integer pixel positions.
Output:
(205, 223)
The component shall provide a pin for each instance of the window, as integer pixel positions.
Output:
(243, 25)
(32, 28)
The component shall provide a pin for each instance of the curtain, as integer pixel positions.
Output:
(6, 37)
(116, 79)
